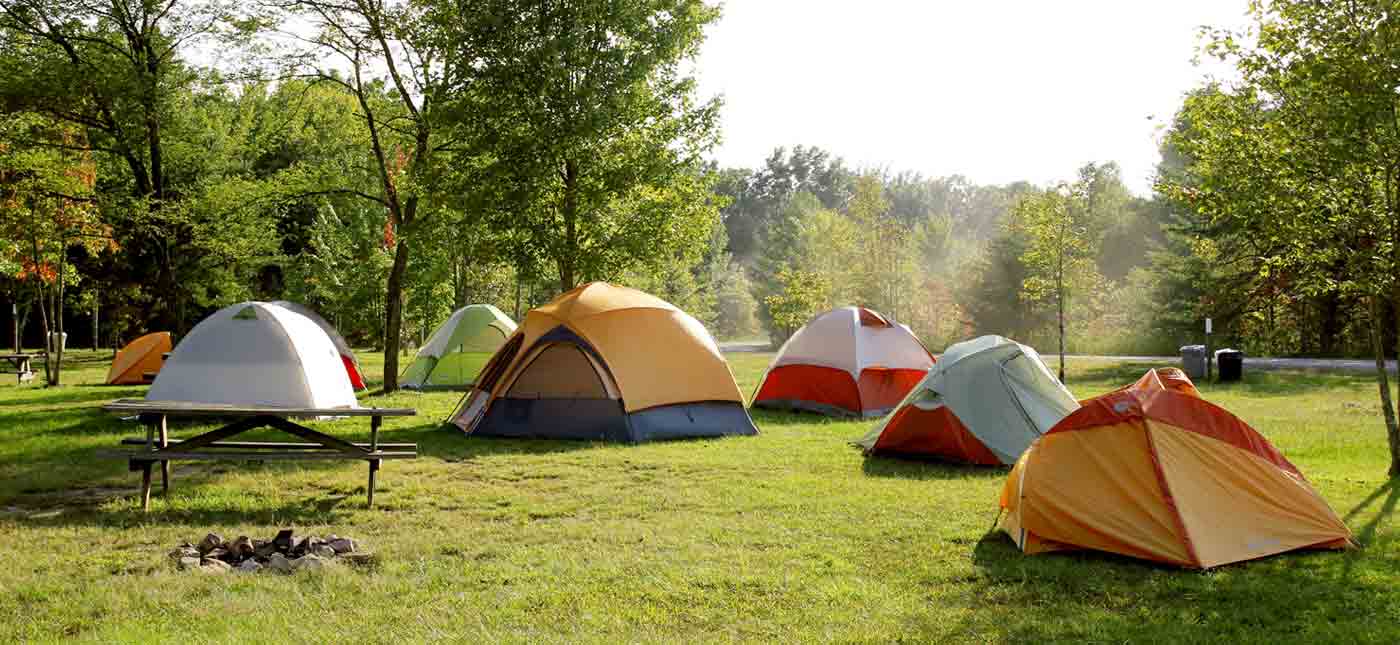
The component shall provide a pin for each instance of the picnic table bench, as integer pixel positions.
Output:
(215, 444)
(21, 364)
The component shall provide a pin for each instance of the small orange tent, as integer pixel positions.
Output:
(1163, 476)
(140, 360)
(1165, 378)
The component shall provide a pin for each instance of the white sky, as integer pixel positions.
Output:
(996, 90)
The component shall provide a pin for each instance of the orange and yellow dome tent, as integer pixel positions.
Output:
(604, 362)
(1155, 474)
(140, 360)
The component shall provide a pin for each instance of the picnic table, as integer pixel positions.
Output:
(21, 364)
(215, 444)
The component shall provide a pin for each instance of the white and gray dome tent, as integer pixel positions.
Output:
(984, 402)
(255, 353)
(347, 355)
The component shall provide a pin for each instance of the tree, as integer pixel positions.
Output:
(1299, 157)
(596, 129)
(46, 208)
(407, 64)
(801, 296)
(114, 71)
(1061, 249)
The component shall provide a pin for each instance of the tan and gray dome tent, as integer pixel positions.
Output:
(984, 402)
(255, 353)
(604, 362)
(458, 349)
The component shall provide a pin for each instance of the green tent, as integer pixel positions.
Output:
(458, 349)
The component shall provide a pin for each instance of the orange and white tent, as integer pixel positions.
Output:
(984, 403)
(847, 361)
(1165, 378)
(606, 363)
(1164, 476)
(140, 360)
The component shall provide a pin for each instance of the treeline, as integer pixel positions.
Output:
(379, 161)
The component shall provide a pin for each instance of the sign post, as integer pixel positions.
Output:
(1209, 355)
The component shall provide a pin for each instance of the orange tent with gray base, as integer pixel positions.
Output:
(140, 360)
(1165, 378)
(1163, 476)
(609, 363)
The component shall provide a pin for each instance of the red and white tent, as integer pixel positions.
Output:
(849, 362)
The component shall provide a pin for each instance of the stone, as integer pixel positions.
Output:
(209, 565)
(189, 562)
(342, 545)
(322, 551)
(184, 552)
(279, 563)
(242, 548)
(249, 566)
(311, 543)
(217, 554)
(298, 548)
(262, 549)
(309, 563)
(283, 541)
(210, 542)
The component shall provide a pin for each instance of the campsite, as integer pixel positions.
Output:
(790, 535)
(677, 321)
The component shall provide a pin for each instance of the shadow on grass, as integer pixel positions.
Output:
(927, 469)
(764, 417)
(1256, 382)
(1306, 596)
(317, 509)
(67, 395)
(1367, 534)
(447, 442)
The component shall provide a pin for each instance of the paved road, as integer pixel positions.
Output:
(1324, 364)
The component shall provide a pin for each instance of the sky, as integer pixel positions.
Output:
(995, 90)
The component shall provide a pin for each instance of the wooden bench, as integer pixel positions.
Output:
(21, 365)
(216, 444)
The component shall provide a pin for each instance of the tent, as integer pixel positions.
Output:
(847, 361)
(1165, 378)
(255, 353)
(140, 360)
(347, 355)
(1163, 476)
(984, 402)
(458, 349)
(604, 362)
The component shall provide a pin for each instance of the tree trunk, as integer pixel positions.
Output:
(566, 260)
(393, 317)
(58, 342)
(96, 304)
(1392, 431)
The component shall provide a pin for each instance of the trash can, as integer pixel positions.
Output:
(1193, 361)
(1230, 363)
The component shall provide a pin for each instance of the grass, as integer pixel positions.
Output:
(790, 536)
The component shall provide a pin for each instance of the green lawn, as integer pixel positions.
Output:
(790, 536)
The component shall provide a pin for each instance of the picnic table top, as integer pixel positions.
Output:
(142, 406)
(15, 356)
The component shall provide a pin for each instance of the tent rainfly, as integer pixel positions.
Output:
(846, 362)
(1155, 474)
(140, 360)
(604, 362)
(255, 353)
(347, 355)
(984, 402)
(458, 349)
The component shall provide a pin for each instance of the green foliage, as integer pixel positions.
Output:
(801, 296)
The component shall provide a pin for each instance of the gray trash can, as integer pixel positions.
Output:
(1230, 363)
(1193, 361)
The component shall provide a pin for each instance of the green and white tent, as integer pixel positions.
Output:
(456, 352)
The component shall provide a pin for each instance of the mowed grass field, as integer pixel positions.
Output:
(791, 536)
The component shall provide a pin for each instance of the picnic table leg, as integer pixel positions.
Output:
(145, 486)
(164, 464)
(373, 463)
